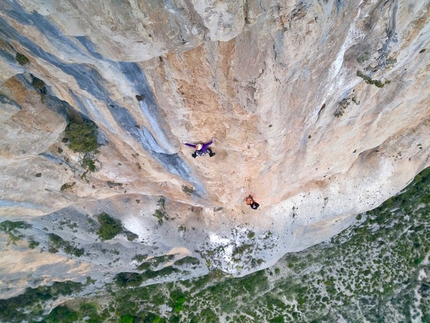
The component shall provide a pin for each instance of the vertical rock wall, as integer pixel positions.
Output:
(318, 108)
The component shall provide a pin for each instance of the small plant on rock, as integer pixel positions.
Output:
(160, 213)
(67, 186)
(10, 228)
(88, 163)
(187, 190)
(39, 85)
(82, 137)
(110, 227)
(369, 80)
(21, 59)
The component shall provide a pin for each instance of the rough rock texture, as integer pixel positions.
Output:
(319, 108)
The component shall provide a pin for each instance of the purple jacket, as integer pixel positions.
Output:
(204, 148)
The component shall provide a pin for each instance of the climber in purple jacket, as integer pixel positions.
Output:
(201, 149)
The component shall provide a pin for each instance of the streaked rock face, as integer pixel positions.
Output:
(320, 109)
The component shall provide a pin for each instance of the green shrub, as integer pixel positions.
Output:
(10, 228)
(67, 186)
(187, 260)
(21, 59)
(128, 279)
(12, 309)
(62, 314)
(130, 235)
(56, 243)
(187, 190)
(32, 244)
(127, 319)
(160, 213)
(278, 319)
(39, 85)
(82, 137)
(110, 227)
(151, 318)
(89, 310)
(177, 300)
(113, 184)
(369, 80)
(88, 163)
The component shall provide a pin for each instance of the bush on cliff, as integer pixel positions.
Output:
(62, 314)
(82, 137)
(21, 59)
(110, 227)
(127, 319)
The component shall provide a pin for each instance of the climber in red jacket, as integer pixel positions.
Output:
(250, 201)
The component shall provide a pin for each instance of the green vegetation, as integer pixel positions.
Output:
(128, 279)
(369, 80)
(155, 262)
(90, 166)
(62, 314)
(187, 261)
(110, 227)
(363, 58)
(374, 63)
(10, 226)
(56, 243)
(161, 202)
(127, 319)
(345, 277)
(90, 310)
(39, 85)
(344, 104)
(140, 257)
(11, 229)
(28, 306)
(160, 213)
(67, 186)
(82, 137)
(88, 163)
(21, 59)
(32, 244)
(187, 190)
(130, 235)
(113, 184)
(374, 271)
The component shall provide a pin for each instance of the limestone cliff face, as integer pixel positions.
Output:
(320, 109)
